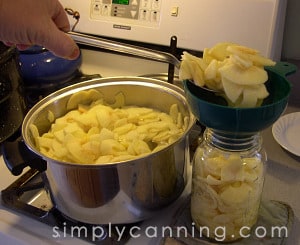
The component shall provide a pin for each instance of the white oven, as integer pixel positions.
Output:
(196, 24)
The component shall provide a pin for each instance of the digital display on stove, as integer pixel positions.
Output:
(124, 2)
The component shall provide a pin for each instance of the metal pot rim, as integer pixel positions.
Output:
(96, 83)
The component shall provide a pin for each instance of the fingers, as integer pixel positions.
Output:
(45, 25)
(61, 45)
(60, 18)
(57, 40)
(22, 47)
(18, 46)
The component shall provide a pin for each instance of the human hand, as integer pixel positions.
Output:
(35, 22)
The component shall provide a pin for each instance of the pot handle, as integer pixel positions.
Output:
(138, 51)
(17, 156)
(283, 68)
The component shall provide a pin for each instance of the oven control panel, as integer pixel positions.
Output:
(197, 24)
(140, 12)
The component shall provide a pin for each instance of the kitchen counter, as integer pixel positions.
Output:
(283, 170)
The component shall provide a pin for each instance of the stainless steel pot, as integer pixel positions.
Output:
(123, 192)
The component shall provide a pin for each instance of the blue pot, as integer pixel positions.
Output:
(38, 65)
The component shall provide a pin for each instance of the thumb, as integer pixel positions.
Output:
(61, 44)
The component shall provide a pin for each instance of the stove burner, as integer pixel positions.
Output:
(28, 195)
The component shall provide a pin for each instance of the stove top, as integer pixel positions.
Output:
(29, 196)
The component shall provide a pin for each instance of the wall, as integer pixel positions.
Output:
(291, 38)
(291, 47)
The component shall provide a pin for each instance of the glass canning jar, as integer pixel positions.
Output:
(227, 182)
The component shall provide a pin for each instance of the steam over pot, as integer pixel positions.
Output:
(122, 192)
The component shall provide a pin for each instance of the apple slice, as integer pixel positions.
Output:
(232, 90)
(251, 76)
